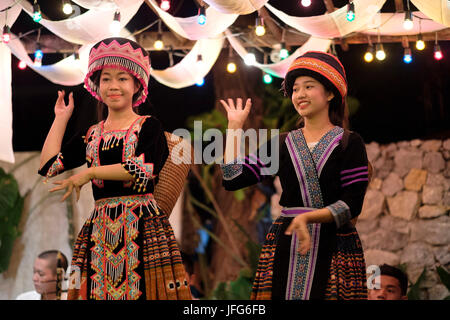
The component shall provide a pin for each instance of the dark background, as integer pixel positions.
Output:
(398, 101)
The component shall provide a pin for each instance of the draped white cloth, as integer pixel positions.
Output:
(188, 72)
(236, 6)
(91, 26)
(216, 23)
(96, 4)
(391, 24)
(438, 10)
(335, 24)
(280, 69)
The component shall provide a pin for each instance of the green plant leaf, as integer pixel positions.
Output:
(444, 276)
(414, 291)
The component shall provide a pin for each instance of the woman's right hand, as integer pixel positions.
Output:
(236, 114)
(62, 110)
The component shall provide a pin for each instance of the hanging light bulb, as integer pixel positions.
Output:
(368, 56)
(158, 44)
(200, 82)
(250, 59)
(22, 65)
(350, 11)
(420, 44)
(115, 27)
(306, 3)
(267, 78)
(38, 55)
(437, 52)
(284, 53)
(165, 5)
(6, 36)
(201, 18)
(407, 56)
(408, 23)
(380, 54)
(231, 67)
(260, 30)
(37, 16)
(67, 7)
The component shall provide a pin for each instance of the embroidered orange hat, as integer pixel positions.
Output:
(123, 54)
(324, 67)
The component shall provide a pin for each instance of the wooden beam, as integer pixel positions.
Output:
(399, 6)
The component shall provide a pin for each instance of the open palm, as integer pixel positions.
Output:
(61, 109)
(236, 112)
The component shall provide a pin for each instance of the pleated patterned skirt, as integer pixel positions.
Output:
(127, 250)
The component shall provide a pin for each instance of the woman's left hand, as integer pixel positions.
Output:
(76, 182)
(299, 226)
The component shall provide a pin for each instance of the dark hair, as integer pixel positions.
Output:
(102, 108)
(402, 278)
(337, 111)
(55, 257)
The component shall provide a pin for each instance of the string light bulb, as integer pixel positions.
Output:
(22, 65)
(67, 7)
(115, 27)
(368, 56)
(267, 78)
(437, 49)
(158, 44)
(250, 59)
(200, 82)
(407, 56)
(6, 36)
(231, 67)
(306, 3)
(420, 44)
(201, 18)
(380, 54)
(165, 5)
(37, 16)
(350, 11)
(260, 30)
(38, 55)
(408, 23)
(284, 53)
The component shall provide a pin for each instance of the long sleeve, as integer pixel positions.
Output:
(253, 168)
(72, 155)
(354, 181)
(150, 155)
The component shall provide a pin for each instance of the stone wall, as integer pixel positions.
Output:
(405, 217)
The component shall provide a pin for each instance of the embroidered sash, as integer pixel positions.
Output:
(308, 167)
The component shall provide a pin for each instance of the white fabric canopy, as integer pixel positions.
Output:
(188, 28)
(391, 24)
(188, 72)
(280, 69)
(96, 4)
(335, 24)
(438, 10)
(236, 6)
(91, 26)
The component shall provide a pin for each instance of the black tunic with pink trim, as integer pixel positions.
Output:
(327, 175)
(126, 249)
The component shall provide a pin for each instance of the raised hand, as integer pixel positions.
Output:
(236, 113)
(62, 110)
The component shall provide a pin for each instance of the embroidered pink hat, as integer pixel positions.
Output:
(123, 54)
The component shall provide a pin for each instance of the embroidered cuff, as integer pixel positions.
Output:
(341, 213)
(56, 167)
(141, 171)
(231, 170)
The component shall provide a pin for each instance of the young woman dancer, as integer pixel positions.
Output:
(127, 248)
(312, 251)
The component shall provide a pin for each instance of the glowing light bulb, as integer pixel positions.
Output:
(408, 23)
(6, 36)
(231, 67)
(350, 12)
(22, 65)
(165, 5)
(158, 44)
(260, 30)
(420, 44)
(306, 3)
(250, 59)
(380, 54)
(437, 52)
(267, 78)
(36, 13)
(115, 27)
(368, 56)
(200, 82)
(67, 7)
(201, 18)
(407, 56)
(284, 53)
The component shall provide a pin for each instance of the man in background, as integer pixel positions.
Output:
(394, 284)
